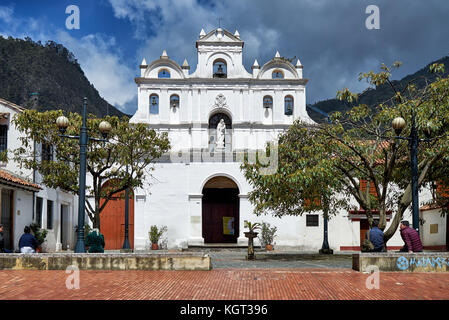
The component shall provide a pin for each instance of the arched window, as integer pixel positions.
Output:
(288, 105)
(163, 73)
(154, 104)
(174, 101)
(277, 74)
(215, 119)
(268, 102)
(220, 69)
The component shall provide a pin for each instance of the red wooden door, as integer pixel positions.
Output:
(112, 222)
(213, 214)
(364, 227)
(218, 204)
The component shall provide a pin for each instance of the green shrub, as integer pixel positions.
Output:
(156, 233)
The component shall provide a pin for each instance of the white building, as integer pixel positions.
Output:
(25, 200)
(199, 191)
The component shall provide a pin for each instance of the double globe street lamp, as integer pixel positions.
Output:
(104, 127)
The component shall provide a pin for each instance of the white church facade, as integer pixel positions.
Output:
(212, 115)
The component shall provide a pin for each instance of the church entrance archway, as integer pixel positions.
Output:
(112, 220)
(220, 211)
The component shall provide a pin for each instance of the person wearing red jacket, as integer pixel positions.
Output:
(411, 238)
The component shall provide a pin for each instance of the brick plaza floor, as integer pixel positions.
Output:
(223, 284)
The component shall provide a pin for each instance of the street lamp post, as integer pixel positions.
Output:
(126, 246)
(398, 125)
(83, 138)
(325, 249)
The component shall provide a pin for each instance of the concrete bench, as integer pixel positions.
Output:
(105, 261)
(402, 261)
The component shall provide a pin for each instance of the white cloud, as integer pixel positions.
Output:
(6, 14)
(102, 66)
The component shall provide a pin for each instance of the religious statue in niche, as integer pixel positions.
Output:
(220, 142)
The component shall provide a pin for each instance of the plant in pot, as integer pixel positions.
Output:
(39, 234)
(267, 235)
(155, 234)
(251, 234)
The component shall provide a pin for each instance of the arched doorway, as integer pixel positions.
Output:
(112, 221)
(220, 211)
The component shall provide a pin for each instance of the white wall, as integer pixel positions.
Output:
(433, 217)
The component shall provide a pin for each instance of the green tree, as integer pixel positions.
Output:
(336, 159)
(125, 161)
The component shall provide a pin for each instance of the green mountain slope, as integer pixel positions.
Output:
(50, 73)
(374, 96)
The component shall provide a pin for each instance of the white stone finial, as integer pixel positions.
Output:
(237, 34)
(219, 33)
(185, 64)
(144, 62)
(298, 64)
(202, 33)
(164, 54)
(255, 64)
(277, 55)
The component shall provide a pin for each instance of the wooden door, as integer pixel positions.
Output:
(219, 205)
(364, 227)
(112, 222)
(7, 218)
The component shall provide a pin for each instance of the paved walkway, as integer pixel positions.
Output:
(278, 259)
(223, 284)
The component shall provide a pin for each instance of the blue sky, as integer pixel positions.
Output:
(328, 36)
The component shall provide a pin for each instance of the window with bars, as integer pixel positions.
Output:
(39, 203)
(49, 214)
(312, 220)
(47, 152)
(3, 137)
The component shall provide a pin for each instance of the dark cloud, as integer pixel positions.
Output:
(328, 36)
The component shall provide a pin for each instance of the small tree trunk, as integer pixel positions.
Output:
(96, 221)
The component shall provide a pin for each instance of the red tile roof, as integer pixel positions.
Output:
(14, 180)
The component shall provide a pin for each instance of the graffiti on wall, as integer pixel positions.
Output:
(404, 263)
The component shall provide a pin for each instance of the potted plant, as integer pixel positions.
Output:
(155, 234)
(267, 235)
(39, 234)
(251, 234)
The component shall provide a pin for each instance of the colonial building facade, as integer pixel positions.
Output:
(23, 197)
(212, 115)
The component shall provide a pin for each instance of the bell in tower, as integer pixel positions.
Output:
(220, 73)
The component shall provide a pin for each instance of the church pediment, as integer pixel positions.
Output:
(219, 35)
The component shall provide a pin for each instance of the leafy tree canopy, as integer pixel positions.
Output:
(125, 161)
(357, 155)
